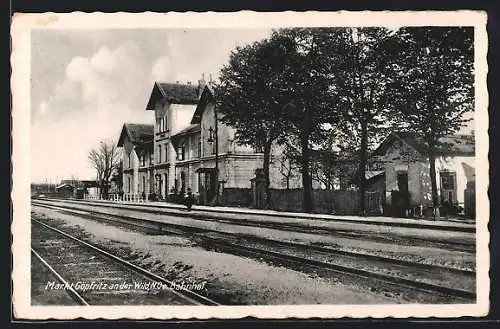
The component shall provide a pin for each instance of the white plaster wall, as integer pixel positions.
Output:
(93, 191)
(179, 117)
(147, 187)
(129, 151)
(455, 164)
(402, 157)
(135, 166)
(419, 182)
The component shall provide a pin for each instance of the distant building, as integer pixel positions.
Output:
(65, 190)
(89, 188)
(406, 168)
(137, 169)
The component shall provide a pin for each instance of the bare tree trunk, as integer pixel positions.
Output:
(266, 164)
(362, 167)
(105, 190)
(435, 197)
(306, 175)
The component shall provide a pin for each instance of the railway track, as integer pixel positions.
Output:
(93, 276)
(351, 233)
(154, 208)
(394, 274)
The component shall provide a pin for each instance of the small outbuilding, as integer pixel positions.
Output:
(64, 191)
(407, 178)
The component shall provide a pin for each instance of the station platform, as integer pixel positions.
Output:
(452, 224)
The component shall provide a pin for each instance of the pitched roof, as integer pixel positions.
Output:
(191, 129)
(369, 174)
(460, 144)
(89, 183)
(137, 133)
(63, 185)
(176, 93)
(186, 131)
(453, 145)
(145, 146)
(207, 95)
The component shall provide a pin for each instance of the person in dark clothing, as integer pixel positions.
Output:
(189, 199)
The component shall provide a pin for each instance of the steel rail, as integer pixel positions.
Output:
(166, 210)
(187, 294)
(159, 225)
(422, 286)
(292, 227)
(72, 292)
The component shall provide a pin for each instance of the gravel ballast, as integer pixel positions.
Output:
(229, 279)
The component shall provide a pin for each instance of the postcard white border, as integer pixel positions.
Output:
(22, 25)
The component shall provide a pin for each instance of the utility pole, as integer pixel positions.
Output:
(210, 83)
(216, 156)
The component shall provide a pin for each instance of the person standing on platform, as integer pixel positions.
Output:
(189, 199)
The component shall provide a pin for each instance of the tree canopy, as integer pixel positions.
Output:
(436, 89)
(250, 98)
(301, 86)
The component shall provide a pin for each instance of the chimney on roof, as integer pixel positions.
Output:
(210, 81)
(201, 84)
(189, 82)
(177, 82)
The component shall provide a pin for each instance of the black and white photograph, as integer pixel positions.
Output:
(223, 165)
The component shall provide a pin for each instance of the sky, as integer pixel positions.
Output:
(87, 83)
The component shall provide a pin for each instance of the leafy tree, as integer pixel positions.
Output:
(288, 163)
(306, 67)
(437, 87)
(105, 160)
(325, 166)
(364, 70)
(249, 96)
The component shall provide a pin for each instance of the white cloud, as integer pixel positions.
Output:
(78, 69)
(43, 108)
(99, 94)
(103, 60)
(66, 89)
(162, 69)
(110, 85)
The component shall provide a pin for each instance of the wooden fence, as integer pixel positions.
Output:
(328, 201)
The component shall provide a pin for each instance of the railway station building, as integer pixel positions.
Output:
(178, 152)
(136, 141)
